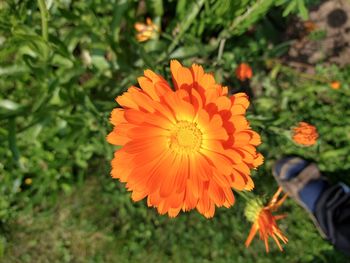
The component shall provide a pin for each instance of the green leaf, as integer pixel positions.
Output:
(61, 61)
(181, 9)
(156, 7)
(12, 139)
(9, 105)
(2, 246)
(13, 70)
(118, 14)
(304, 14)
(290, 7)
(244, 21)
(184, 25)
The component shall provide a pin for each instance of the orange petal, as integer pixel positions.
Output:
(218, 160)
(117, 139)
(250, 184)
(239, 122)
(216, 194)
(239, 181)
(138, 195)
(195, 182)
(117, 116)
(201, 165)
(241, 138)
(190, 201)
(240, 99)
(139, 146)
(221, 179)
(173, 212)
(139, 176)
(259, 160)
(184, 78)
(182, 109)
(148, 87)
(223, 103)
(197, 72)
(174, 67)
(169, 172)
(252, 234)
(238, 109)
(196, 99)
(143, 101)
(230, 199)
(207, 81)
(139, 117)
(121, 165)
(154, 77)
(176, 200)
(142, 132)
(242, 168)
(126, 99)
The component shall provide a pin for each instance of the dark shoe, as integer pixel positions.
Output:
(302, 181)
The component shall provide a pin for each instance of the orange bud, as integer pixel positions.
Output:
(145, 31)
(305, 134)
(243, 72)
(335, 84)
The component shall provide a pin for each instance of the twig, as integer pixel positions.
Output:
(221, 48)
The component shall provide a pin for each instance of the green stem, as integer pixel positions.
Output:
(244, 195)
(221, 48)
(44, 19)
(12, 139)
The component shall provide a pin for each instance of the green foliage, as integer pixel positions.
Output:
(297, 7)
(61, 65)
(118, 230)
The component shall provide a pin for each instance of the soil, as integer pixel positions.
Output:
(323, 39)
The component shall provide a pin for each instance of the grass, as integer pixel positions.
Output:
(95, 225)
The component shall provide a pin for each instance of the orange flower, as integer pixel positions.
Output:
(145, 31)
(335, 85)
(305, 134)
(310, 26)
(244, 71)
(183, 149)
(265, 222)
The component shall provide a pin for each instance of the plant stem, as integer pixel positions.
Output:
(244, 195)
(221, 48)
(44, 19)
(12, 139)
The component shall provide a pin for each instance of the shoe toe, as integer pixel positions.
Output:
(288, 167)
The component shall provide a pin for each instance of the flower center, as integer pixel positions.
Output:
(185, 137)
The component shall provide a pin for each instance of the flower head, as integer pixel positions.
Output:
(145, 31)
(305, 134)
(244, 71)
(265, 222)
(184, 148)
(335, 84)
(28, 181)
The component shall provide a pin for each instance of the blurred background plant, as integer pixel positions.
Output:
(63, 62)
